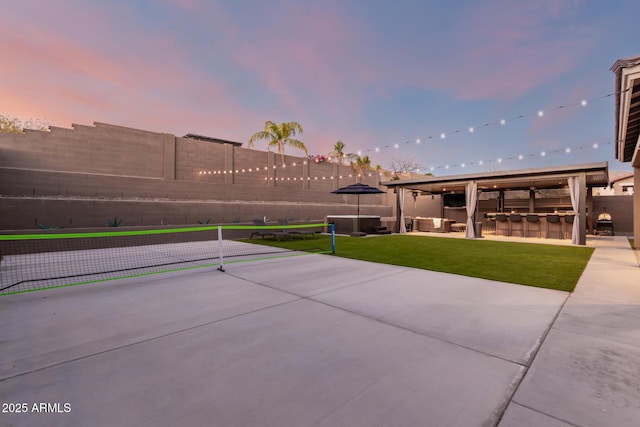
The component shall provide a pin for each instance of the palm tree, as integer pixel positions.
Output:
(338, 151)
(359, 164)
(279, 135)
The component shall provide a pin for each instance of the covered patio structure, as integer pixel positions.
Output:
(579, 179)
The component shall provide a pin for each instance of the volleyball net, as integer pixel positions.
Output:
(45, 260)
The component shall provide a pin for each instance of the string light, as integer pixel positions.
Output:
(521, 156)
(302, 178)
(443, 135)
(503, 121)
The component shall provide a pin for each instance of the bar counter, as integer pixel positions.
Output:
(543, 228)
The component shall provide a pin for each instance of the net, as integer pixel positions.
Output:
(38, 261)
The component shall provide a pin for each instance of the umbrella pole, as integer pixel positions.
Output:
(358, 216)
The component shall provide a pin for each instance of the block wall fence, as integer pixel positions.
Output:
(86, 175)
(83, 176)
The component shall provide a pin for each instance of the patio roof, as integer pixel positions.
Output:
(597, 175)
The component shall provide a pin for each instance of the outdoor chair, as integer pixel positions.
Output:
(294, 232)
(568, 225)
(502, 220)
(516, 219)
(533, 220)
(554, 219)
(276, 234)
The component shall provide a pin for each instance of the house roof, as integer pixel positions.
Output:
(620, 176)
(597, 175)
(627, 107)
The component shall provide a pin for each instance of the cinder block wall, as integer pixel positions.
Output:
(620, 208)
(82, 176)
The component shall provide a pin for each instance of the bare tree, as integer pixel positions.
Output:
(403, 165)
(14, 125)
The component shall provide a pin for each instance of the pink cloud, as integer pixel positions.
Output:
(103, 68)
(313, 68)
(503, 50)
(70, 79)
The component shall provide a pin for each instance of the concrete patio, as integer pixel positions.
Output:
(320, 340)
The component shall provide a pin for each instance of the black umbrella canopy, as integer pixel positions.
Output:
(358, 188)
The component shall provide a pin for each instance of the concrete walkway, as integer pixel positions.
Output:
(316, 340)
(587, 371)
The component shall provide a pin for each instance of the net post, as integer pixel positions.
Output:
(220, 254)
(333, 239)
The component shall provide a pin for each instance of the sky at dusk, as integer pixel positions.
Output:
(375, 74)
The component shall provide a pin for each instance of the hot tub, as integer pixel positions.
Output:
(347, 224)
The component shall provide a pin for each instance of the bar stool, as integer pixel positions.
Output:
(554, 219)
(502, 219)
(490, 223)
(531, 220)
(516, 219)
(568, 225)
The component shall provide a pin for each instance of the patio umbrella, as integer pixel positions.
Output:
(358, 189)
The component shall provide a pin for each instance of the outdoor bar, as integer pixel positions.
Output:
(567, 214)
(548, 225)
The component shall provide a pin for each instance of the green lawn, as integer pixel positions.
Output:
(544, 266)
